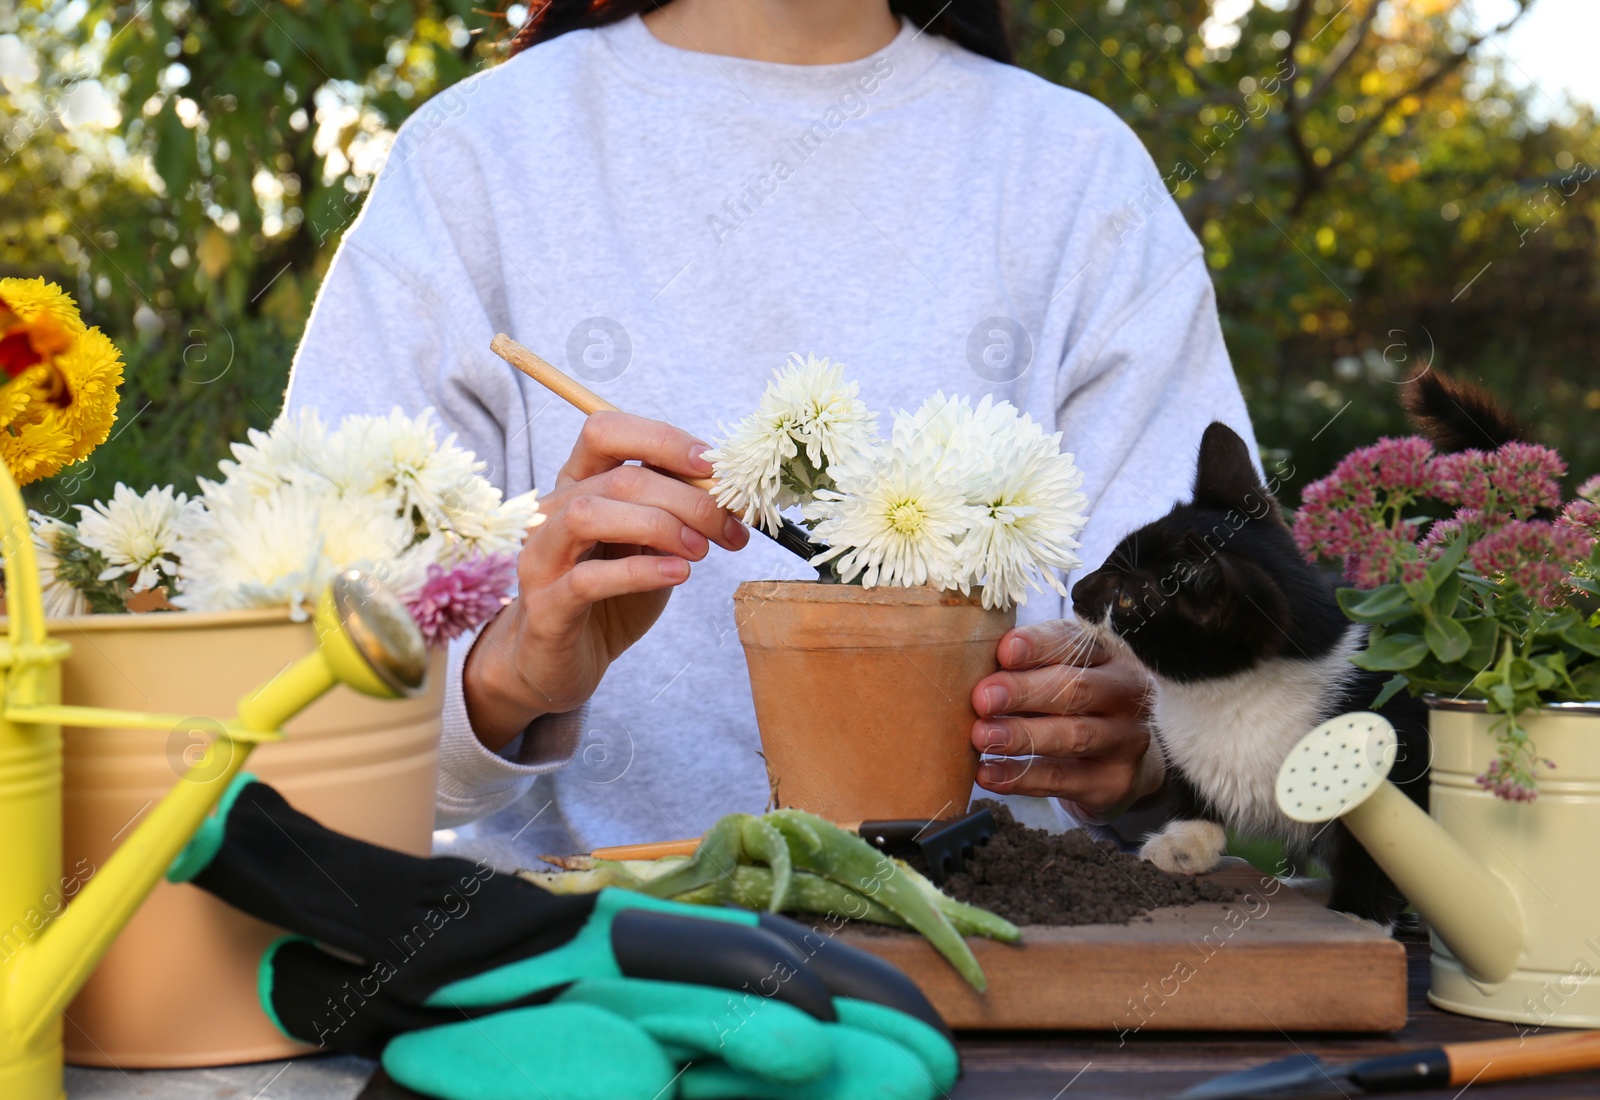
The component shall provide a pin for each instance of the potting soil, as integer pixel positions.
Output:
(1030, 876)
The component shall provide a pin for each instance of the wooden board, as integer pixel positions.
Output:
(1272, 959)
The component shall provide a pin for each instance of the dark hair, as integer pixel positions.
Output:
(976, 25)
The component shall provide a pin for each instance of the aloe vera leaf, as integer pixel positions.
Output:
(808, 893)
(764, 844)
(847, 859)
(716, 857)
(597, 878)
(969, 920)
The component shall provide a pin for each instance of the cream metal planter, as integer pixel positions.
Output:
(1542, 849)
(1507, 888)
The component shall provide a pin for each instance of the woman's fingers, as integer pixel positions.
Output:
(1060, 689)
(1052, 736)
(638, 485)
(1056, 642)
(560, 543)
(609, 439)
(1094, 785)
(599, 579)
(694, 506)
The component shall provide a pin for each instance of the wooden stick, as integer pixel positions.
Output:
(568, 388)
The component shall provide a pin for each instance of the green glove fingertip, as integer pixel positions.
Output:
(935, 1051)
(266, 974)
(547, 1052)
(750, 1032)
(202, 848)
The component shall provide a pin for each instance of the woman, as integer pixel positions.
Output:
(667, 205)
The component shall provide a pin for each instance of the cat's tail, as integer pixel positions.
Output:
(1458, 416)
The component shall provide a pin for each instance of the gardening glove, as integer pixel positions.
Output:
(451, 959)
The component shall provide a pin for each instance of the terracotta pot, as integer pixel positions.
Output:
(178, 987)
(864, 695)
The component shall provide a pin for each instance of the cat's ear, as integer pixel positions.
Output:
(1226, 479)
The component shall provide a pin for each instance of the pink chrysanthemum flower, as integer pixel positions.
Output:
(456, 599)
(1590, 490)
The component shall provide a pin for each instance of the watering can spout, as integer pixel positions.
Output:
(1340, 770)
(365, 639)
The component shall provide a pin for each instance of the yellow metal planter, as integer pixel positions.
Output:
(46, 952)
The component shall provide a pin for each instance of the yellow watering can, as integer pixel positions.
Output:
(365, 639)
(1513, 912)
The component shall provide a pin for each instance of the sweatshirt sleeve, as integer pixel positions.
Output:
(1145, 391)
(378, 339)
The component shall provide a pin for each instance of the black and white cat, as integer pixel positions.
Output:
(1249, 652)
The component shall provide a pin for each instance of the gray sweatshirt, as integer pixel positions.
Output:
(669, 225)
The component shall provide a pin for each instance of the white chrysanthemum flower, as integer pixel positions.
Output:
(61, 598)
(892, 520)
(473, 519)
(135, 534)
(282, 547)
(1023, 490)
(403, 455)
(809, 419)
(1026, 522)
(254, 549)
(293, 449)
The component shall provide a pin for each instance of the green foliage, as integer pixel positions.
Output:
(1454, 633)
(1373, 199)
(81, 567)
(196, 228)
(1370, 202)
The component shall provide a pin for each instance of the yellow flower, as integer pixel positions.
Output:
(62, 406)
(93, 370)
(34, 451)
(28, 298)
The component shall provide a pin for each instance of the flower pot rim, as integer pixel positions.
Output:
(162, 620)
(1481, 706)
(797, 591)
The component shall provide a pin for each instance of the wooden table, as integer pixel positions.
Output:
(1081, 1065)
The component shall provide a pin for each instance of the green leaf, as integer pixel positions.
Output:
(1582, 637)
(1376, 605)
(1395, 653)
(1394, 686)
(1484, 633)
(1447, 563)
(1448, 595)
(1421, 591)
(1448, 639)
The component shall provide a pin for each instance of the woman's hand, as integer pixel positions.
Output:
(596, 574)
(1077, 709)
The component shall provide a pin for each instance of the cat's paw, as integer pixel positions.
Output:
(1187, 847)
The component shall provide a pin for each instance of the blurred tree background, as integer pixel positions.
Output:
(1373, 193)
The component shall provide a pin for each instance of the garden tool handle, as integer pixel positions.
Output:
(574, 393)
(1508, 1059)
(656, 849)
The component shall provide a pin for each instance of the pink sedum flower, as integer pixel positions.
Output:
(1526, 477)
(460, 597)
(1532, 556)
(1582, 516)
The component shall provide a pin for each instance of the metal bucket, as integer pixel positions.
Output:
(1541, 849)
(178, 987)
